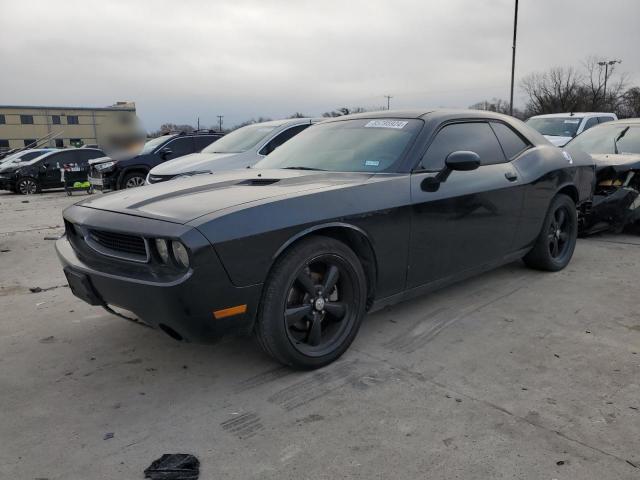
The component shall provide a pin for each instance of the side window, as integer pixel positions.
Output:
(204, 141)
(83, 156)
(282, 137)
(55, 162)
(180, 147)
(474, 136)
(592, 122)
(605, 119)
(511, 142)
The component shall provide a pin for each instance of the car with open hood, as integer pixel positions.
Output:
(353, 214)
(615, 149)
(239, 149)
(46, 170)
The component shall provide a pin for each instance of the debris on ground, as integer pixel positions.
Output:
(174, 466)
(49, 339)
(4, 250)
(52, 237)
(108, 436)
(40, 289)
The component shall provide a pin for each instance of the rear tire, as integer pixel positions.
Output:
(557, 240)
(313, 304)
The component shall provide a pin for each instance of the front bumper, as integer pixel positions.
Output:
(7, 182)
(181, 305)
(104, 181)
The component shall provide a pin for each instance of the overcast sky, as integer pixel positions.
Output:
(247, 58)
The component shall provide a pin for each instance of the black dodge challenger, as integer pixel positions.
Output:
(354, 214)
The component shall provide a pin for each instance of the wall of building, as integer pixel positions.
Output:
(93, 124)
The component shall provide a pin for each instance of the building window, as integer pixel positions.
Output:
(72, 119)
(4, 144)
(2, 120)
(30, 141)
(76, 142)
(26, 119)
(59, 143)
(55, 119)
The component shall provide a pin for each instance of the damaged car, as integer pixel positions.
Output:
(357, 213)
(615, 148)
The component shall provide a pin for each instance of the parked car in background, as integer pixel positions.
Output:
(354, 214)
(615, 148)
(128, 172)
(239, 149)
(44, 171)
(24, 155)
(559, 128)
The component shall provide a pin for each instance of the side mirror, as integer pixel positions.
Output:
(462, 161)
(165, 152)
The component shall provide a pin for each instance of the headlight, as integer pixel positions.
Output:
(104, 166)
(180, 254)
(163, 250)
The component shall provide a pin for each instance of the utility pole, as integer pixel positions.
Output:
(198, 123)
(513, 57)
(606, 64)
(220, 117)
(388, 97)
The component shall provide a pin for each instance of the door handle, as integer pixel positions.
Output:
(511, 176)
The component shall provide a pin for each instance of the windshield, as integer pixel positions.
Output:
(555, 126)
(240, 140)
(346, 146)
(623, 139)
(151, 145)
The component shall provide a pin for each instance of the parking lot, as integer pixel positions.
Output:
(513, 374)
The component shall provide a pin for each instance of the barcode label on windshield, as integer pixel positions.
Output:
(386, 124)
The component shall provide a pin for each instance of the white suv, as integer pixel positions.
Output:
(559, 128)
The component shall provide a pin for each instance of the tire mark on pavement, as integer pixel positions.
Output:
(243, 426)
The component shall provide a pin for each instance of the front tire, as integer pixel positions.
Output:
(313, 304)
(27, 186)
(133, 180)
(557, 240)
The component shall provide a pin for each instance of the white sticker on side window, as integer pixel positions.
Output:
(371, 163)
(386, 124)
(572, 121)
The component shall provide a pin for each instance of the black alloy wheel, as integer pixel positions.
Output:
(27, 186)
(554, 246)
(313, 303)
(134, 180)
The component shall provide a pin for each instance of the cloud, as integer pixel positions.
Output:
(249, 58)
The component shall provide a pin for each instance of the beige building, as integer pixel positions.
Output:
(63, 126)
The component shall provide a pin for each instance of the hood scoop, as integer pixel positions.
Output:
(257, 182)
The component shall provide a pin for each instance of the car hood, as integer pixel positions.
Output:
(557, 141)
(618, 162)
(196, 162)
(185, 199)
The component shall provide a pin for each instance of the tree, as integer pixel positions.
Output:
(345, 111)
(557, 90)
(630, 104)
(497, 105)
(298, 115)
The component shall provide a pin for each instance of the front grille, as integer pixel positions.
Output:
(120, 242)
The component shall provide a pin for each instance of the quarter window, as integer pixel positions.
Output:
(592, 122)
(72, 120)
(511, 142)
(29, 141)
(473, 136)
(605, 119)
(55, 119)
(26, 119)
(279, 139)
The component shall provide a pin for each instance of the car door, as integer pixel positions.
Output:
(50, 174)
(468, 220)
(175, 148)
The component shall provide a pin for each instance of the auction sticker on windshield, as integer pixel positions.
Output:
(386, 124)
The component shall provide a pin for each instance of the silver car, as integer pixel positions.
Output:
(239, 149)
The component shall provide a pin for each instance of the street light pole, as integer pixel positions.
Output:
(220, 117)
(606, 64)
(388, 97)
(513, 57)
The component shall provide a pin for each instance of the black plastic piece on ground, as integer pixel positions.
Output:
(174, 466)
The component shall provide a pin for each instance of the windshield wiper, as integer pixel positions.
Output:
(304, 168)
(618, 138)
